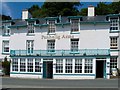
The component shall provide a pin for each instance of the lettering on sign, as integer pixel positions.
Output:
(57, 37)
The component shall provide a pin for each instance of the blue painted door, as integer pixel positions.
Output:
(104, 69)
(44, 70)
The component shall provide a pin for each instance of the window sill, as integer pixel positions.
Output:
(51, 33)
(30, 34)
(6, 35)
(74, 32)
(75, 52)
(114, 31)
(5, 53)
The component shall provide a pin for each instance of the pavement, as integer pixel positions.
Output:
(46, 84)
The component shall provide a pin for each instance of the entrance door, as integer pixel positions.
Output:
(47, 69)
(100, 69)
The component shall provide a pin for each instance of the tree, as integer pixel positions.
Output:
(4, 17)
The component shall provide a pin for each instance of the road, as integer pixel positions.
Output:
(8, 82)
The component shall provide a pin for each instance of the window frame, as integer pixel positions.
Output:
(75, 25)
(38, 65)
(114, 24)
(51, 26)
(31, 28)
(22, 65)
(74, 45)
(59, 65)
(30, 65)
(68, 65)
(49, 47)
(78, 65)
(113, 44)
(14, 64)
(113, 62)
(6, 47)
(88, 67)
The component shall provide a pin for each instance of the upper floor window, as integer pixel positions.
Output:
(6, 30)
(5, 46)
(114, 24)
(51, 45)
(52, 27)
(31, 28)
(74, 44)
(30, 46)
(74, 25)
(113, 42)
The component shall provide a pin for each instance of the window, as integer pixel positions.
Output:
(114, 24)
(6, 30)
(37, 65)
(113, 62)
(59, 65)
(51, 45)
(5, 46)
(51, 28)
(30, 45)
(68, 66)
(113, 43)
(14, 64)
(88, 65)
(78, 65)
(31, 29)
(22, 65)
(74, 25)
(30, 65)
(74, 44)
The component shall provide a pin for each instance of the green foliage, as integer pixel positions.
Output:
(6, 66)
(4, 17)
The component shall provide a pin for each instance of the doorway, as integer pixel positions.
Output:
(47, 69)
(100, 68)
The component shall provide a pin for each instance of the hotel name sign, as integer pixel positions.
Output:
(49, 37)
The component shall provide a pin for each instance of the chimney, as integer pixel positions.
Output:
(25, 14)
(91, 10)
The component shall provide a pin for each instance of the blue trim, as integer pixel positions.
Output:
(114, 50)
(114, 31)
(5, 53)
(30, 34)
(25, 73)
(75, 32)
(51, 33)
(76, 74)
(5, 35)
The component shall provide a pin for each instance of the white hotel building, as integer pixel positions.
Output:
(72, 47)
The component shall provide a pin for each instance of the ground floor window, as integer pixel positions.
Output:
(68, 66)
(59, 65)
(30, 65)
(113, 62)
(22, 65)
(37, 65)
(78, 65)
(15, 64)
(88, 65)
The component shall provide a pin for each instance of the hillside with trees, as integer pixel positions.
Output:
(49, 9)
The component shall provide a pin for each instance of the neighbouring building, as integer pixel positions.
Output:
(72, 47)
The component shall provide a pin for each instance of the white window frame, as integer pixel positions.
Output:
(5, 46)
(59, 65)
(6, 30)
(113, 42)
(51, 45)
(114, 24)
(30, 65)
(15, 64)
(88, 68)
(74, 45)
(22, 65)
(113, 62)
(78, 66)
(68, 65)
(37, 65)
(30, 46)
(31, 28)
(52, 27)
(75, 25)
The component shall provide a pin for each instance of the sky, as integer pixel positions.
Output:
(14, 9)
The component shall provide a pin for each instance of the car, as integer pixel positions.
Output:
(1, 72)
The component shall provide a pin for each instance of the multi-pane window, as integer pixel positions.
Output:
(30, 45)
(88, 65)
(78, 65)
(30, 65)
(59, 65)
(68, 66)
(74, 25)
(14, 64)
(114, 24)
(31, 28)
(74, 44)
(5, 46)
(52, 27)
(113, 62)
(113, 42)
(22, 65)
(37, 65)
(6, 30)
(51, 45)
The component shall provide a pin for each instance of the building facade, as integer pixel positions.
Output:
(73, 47)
